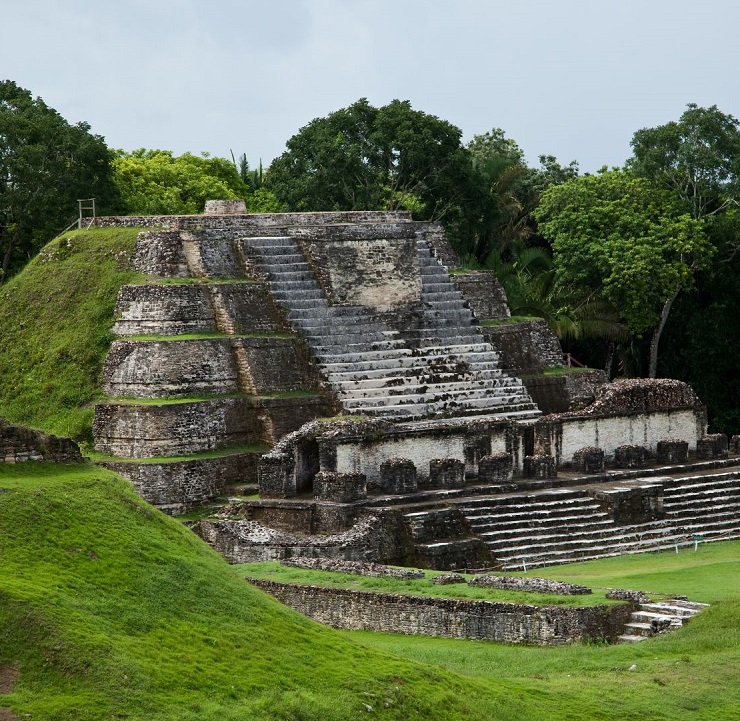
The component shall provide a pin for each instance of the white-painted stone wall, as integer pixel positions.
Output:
(642, 429)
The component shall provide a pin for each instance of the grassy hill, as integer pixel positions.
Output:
(55, 331)
(111, 610)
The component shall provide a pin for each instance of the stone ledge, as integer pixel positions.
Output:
(450, 618)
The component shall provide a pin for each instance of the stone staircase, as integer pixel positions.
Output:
(560, 525)
(651, 619)
(439, 368)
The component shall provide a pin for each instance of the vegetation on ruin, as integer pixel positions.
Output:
(273, 571)
(259, 448)
(110, 609)
(55, 333)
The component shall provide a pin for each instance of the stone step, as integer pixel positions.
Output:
(463, 398)
(270, 242)
(630, 638)
(461, 364)
(299, 296)
(474, 352)
(346, 313)
(276, 269)
(489, 386)
(494, 378)
(441, 409)
(447, 294)
(676, 607)
(281, 276)
(638, 628)
(587, 524)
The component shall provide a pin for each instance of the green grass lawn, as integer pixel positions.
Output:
(55, 331)
(110, 610)
(689, 675)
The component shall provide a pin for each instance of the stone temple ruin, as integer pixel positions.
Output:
(386, 409)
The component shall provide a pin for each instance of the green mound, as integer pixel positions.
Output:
(55, 333)
(109, 609)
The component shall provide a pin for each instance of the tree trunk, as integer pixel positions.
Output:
(609, 359)
(655, 339)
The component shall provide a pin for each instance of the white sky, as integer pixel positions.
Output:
(571, 78)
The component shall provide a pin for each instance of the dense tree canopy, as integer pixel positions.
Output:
(697, 158)
(367, 158)
(46, 165)
(156, 182)
(627, 238)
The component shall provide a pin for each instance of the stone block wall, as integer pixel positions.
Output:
(525, 346)
(18, 444)
(451, 618)
(485, 294)
(377, 272)
(177, 486)
(176, 429)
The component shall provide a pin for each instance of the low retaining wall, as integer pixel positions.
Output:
(450, 618)
(19, 444)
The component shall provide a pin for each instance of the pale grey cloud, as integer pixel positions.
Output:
(574, 78)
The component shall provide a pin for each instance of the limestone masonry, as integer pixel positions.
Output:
(383, 409)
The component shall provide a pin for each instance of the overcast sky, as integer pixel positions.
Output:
(571, 78)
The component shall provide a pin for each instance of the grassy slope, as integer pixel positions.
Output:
(113, 610)
(55, 332)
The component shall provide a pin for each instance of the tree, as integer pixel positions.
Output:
(156, 182)
(506, 191)
(367, 158)
(625, 237)
(46, 165)
(697, 157)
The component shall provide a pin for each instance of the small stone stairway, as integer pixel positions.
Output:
(441, 368)
(651, 619)
(560, 525)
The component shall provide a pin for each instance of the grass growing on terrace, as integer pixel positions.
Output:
(55, 331)
(273, 571)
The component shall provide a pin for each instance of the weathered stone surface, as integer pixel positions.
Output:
(163, 310)
(629, 456)
(539, 466)
(589, 460)
(252, 224)
(177, 486)
(485, 294)
(170, 369)
(530, 585)
(713, 445)
(450, 618)
(433, 234)
(398, 475)
(569, 391)
(177, 429)
(672, 450)
(629, 506)
(377, 272)
(340, 487)
(446, 473)
(526, 346)
(225, 207)
(358, 568)
(160, 253)
(496, 468)
(18, 444)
